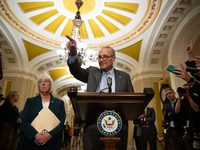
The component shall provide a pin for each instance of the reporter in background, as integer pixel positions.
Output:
(66, 134)
(1, 69)
(175, 121)
(9, 124)
(146, 130)
(96, 79)
(190, 104)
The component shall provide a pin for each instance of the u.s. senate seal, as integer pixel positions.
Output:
(109, 123)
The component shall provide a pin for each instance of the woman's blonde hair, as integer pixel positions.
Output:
(11, 95)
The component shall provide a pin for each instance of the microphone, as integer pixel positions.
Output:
(109, 83)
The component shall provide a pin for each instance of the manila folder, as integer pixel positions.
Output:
(45, 120)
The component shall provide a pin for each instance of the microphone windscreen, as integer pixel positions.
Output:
(109, 81)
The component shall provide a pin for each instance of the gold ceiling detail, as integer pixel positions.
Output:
(32, 6)
(149, 16)
(71, 77)
(8, 51)
(57, 73)
(68, 28)
(117, 17)
(95, 29)
(132, 50)
(85, 34)
(128, 7)
(38, 19)
(4, 43)
(88, 6)
(108, 25)
(53, 26)
(63, 65)
(34, 50)
(11, 60)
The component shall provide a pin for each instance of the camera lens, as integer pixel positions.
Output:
(196, 143)
(181, 90)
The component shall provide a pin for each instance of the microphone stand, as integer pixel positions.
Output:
(109, 89)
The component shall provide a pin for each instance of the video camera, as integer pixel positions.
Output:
(181, 90)
(191, 69)
(1, 97)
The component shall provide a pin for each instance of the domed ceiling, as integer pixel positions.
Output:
(32, 32)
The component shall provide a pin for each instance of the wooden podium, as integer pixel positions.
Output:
(89, 105)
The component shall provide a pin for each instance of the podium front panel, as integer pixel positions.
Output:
(89, 105)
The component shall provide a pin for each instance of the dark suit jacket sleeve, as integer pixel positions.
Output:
(25, 128)
(1, 69)
(173, 115)
(78, 72)
(195, 88)
(167, 117)
(61, 116)
(123, 82)
(152, 116)
(130, 86)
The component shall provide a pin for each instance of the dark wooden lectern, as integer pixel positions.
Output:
(89, 105)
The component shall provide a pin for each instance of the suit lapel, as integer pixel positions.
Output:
(98, 75)
(51, 104)
(117, 80)
(38, 101)
(148, 112)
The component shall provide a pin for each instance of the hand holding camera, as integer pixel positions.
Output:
(183, 92)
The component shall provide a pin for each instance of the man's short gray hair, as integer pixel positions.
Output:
(112, 50)
(169, 89)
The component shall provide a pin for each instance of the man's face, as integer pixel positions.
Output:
(106, 59)
(170, 95)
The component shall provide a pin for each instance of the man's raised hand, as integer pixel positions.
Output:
(71, 46)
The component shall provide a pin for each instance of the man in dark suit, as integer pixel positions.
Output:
(146, 130)
(66, 134)
(175, 122)
(95, 77)
(1, 69)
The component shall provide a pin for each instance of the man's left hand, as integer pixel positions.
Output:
(182, 73)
